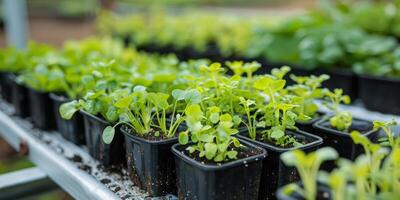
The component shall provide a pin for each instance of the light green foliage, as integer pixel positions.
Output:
(341, 120)
(387, 128)
(308, 166)
(211, 135)
(309, 89)
(278, 113)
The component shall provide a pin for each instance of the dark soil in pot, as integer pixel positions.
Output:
(275, 173)
(380, 94)
(5, 85)
(237, 179)
(150, 162)
(19, 98)
(342, 141)
(323, 193)
(41, 109)
(73, 129)
(107, 154)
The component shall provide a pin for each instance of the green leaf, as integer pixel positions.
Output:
(108, 134)
(178, 94)
(214, 118)
(124, 102)
(67, 110)
(183, 138)
(206, 137)
(192, 96)
(232, 154)
(139, 88)
(277, 133)
(210, 150)
(326, 153)
(219, 158)
(236, 142)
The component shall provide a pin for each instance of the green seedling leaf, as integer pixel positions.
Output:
(183, 138)
(124, 102)
(210, 150)
(178, 94)
(108, 134)
(67, 110)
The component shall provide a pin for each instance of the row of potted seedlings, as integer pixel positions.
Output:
(186, 128)
(315, 42)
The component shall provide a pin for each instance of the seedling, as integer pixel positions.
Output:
(146, 112)
(307, 165)
(212, 136)
(279, 111)
(387, 128)
(341, 120)
(309, 89)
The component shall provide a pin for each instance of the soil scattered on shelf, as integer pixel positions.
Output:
(85, 168)
(105, 181)
(76, 158)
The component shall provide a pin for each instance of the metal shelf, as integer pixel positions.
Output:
(68, 165)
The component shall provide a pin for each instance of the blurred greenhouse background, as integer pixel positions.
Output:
(348, 38)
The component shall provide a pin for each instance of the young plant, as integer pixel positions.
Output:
(309, 89)
(45, 77)
(341, 120)
(308, 166)
(387, 128)
(371, 161)
(146, 112)
(279, 112)
(239, 68)
(210, 136)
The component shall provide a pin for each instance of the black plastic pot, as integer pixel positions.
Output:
(19, 98)
(73, 130)
(107, 154)
(341, 78)
(323, 193)
(41, 109)
(5, 85)
(238, 179)
(275, 173)
(308, 125)
(151, 164)
(380, 94)
(342, 141)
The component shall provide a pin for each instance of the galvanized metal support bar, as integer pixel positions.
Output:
(26, 182)
(76, 182)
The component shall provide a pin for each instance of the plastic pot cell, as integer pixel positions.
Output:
(108, 155)
(237, 179)
(20, 99)
(380, 94)
(5, 85)
(73, 129)
(342, 141)
(308, 125)
(341, 78)
(275, 173)
(150, 163)
(41, 109)
(323, 193)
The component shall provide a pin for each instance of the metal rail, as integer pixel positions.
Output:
(25, 182)
(76, 182)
